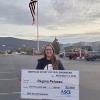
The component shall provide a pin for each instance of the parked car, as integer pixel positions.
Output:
(93, 55)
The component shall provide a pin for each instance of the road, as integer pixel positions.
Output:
(11, 65)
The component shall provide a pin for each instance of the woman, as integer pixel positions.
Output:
(49, 61)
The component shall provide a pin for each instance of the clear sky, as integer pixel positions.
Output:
(68, 20)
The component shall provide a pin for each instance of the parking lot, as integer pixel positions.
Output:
(11, 65)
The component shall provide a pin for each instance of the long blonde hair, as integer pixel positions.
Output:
(53, 58)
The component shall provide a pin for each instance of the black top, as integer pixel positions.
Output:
(43, 62)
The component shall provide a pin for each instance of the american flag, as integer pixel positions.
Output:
(32, 8)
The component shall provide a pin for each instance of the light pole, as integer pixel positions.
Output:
(37, 28)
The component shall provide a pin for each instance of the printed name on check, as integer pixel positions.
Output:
(56, 85)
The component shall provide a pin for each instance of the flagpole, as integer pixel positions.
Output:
(37, 28)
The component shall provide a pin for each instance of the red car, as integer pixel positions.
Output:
(75, 54)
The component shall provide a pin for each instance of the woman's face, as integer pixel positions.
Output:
(49, 51)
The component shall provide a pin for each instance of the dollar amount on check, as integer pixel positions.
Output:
(56, 84)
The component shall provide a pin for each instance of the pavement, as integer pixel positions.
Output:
(11, 65)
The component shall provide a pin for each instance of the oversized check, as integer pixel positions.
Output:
(56, 84)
